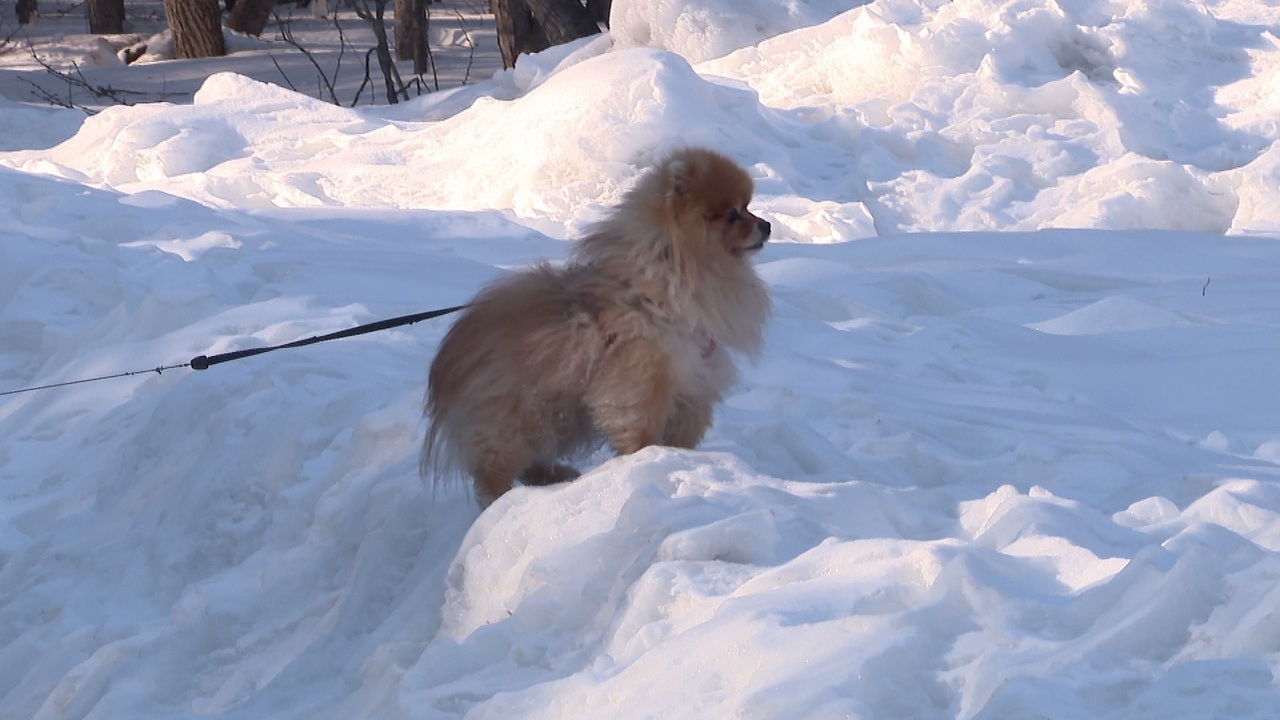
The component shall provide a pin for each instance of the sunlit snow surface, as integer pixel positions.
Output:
(1012, 449)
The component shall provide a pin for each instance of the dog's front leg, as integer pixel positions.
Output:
(631, 396)
(690, 418)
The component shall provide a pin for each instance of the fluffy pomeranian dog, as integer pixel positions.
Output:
(626, 343)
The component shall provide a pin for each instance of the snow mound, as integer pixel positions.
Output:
(1000, 469)
(788, 598)
(705, 29)
(1114, 314)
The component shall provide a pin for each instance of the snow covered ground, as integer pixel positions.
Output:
(54, 61)
(1012, 450)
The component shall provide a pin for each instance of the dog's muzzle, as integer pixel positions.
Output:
(763, 228)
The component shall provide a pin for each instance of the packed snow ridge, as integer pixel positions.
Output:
(1011, 449)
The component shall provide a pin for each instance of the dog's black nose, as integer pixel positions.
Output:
(764, 228)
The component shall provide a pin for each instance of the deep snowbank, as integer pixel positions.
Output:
(926, 117)
(975, 474)
(1018, 480)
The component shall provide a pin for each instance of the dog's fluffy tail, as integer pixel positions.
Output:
(437, 462)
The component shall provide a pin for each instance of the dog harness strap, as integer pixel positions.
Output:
(710, 349)
(591, 303)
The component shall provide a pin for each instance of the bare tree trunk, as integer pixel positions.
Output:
(26, 11)
(375, 18)
(598, 10)
(197, 28)
(250, 16)
(563, 20)
(517, 32)
(529, 26)
(411, 33)
(389, 72)
(106, 17)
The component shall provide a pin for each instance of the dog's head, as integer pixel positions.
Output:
(706, 202)
(684, 238)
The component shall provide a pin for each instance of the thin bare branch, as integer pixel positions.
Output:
(286, 34)
(76, 80)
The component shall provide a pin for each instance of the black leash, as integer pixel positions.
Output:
(95, 379)
(204, 362)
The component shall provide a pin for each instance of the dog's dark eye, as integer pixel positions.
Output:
(733, 216)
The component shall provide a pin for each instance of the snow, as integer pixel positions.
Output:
(1012, 448)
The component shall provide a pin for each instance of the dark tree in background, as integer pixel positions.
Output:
(197, 28)
(382, 49)
(26, 11)
(106, 17)
(517, 33)
(529, 26)
(411, 33)
(599, 10)
(250, 16)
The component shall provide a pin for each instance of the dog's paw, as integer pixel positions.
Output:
(539, 475)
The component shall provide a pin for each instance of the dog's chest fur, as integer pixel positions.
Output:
(623, 312)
